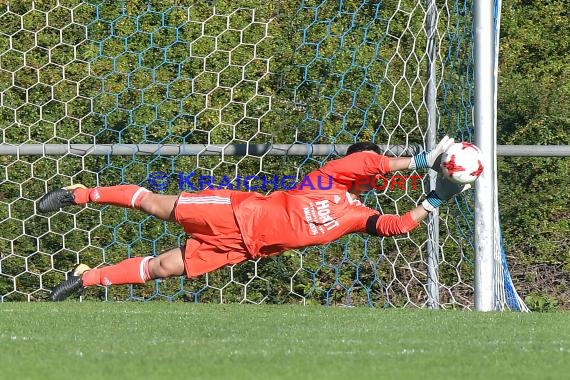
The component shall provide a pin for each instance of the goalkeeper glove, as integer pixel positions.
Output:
(445, 189)
(430, 159)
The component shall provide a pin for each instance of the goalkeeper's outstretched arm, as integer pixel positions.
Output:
(422, 160)
(391, 225)
(365, 159)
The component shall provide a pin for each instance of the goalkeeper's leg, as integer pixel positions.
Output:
(128, 196)
(136, 270)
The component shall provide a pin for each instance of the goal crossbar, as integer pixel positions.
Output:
(250, 149)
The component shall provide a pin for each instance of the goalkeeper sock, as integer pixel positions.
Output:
(129, 196)
(432, 202)
(129, 271)
(419, 161)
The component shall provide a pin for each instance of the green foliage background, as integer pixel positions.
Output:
(534, 108)
(173, 73)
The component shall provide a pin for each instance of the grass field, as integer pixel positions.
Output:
(155, 340)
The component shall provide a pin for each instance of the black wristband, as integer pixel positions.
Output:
(371, 225)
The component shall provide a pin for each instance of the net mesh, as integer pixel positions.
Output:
(228, 72)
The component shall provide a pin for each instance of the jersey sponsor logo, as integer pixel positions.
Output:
(318, 217)
(309, 219)
(324, 212)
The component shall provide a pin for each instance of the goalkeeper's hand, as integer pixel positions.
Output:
(431, 159)
(445, 189)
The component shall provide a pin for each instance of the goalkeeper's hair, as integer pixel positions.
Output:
(363, 146)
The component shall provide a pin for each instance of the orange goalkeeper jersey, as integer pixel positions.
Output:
(319, 210)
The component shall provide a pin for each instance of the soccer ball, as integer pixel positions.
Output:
(461, 163)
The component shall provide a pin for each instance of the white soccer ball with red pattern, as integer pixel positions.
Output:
(462, 163)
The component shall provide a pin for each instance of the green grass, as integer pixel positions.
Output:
(173, 340)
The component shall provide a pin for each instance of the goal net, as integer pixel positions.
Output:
(147, 92)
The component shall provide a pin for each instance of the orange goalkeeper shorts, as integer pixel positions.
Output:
(216, 240)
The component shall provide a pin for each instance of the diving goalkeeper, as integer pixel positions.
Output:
(228, 227)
